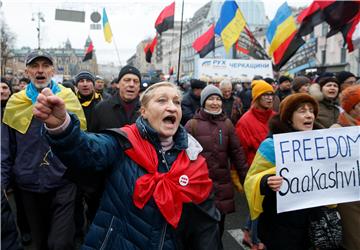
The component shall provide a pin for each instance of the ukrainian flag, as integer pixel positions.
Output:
(280, 28)
(263, 164)
(106, 27)
(230, 24)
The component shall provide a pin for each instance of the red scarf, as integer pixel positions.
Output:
(187, 181)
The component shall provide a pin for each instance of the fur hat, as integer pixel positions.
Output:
(259, 87)
(207, 92)
(299, 81)
(350, 97)
(84, 75)
(197, 84)
(292, 102)
(128, 69)
(325, 80)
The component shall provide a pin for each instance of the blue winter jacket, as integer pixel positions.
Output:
(27, 159)
(119, 224)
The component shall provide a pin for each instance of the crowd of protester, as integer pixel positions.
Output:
(162, 181)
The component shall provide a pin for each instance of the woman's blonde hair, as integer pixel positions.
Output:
(146, 96)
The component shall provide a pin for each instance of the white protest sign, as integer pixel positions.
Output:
(319, 167)
(234, 68)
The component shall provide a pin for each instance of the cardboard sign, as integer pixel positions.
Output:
(319, 167)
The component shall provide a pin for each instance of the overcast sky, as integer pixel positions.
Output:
(131, 21)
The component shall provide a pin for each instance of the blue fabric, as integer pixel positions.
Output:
(32, 92)
(281, 15)
(118, 223)
(266, 149)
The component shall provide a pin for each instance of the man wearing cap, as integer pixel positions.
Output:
(86, 94)
(120, 109)
(100, 88)
(191, 100)
(28, 163)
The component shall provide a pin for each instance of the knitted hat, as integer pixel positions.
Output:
(7, 83)
(325, 80)
(299, 81)
(292, 102)
(350, 97)
(197, 84)
(343, 75)
(207, 92)
(84, 75)
(284, 79)
(128, 69)
(259, 87)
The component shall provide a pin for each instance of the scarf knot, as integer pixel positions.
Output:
(187, 181)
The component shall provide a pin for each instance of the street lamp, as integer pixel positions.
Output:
(39, 17)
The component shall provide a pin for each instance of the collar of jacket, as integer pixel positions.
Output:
(262, 115)
(115, 100)
(147, 132)
(202, 115)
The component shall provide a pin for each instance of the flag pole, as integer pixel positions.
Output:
(181, 27)
(116, 49)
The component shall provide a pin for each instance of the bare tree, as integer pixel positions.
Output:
(7, 40)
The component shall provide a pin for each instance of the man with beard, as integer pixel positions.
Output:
(26, 157)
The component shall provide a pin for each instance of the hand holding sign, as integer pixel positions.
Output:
(274, 182)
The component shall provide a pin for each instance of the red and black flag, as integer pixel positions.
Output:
(165, 20)
(89, 52)
(149, 49)
(205, 43)
(350, 33)
(247, 44)
(335, 13)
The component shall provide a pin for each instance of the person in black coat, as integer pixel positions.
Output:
(191, 100)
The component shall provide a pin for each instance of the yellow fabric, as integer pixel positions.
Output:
(283, 32)
(18, 112)
(236, 180)
(259, 168)
(259, 87)
(230, 34)
(87, 103)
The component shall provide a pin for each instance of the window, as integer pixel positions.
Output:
(325, 28)
(323, 56)
(343, 55)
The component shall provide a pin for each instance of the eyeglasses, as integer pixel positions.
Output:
(268, 95)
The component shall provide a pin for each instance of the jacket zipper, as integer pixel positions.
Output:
(220, 136)
(162, 238)
(103, 245)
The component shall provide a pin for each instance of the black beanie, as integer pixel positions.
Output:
(283, 79)
(84, 75)
(343, 75)
(197, 84)
(128, 69)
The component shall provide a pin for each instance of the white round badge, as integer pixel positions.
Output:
(184, 180)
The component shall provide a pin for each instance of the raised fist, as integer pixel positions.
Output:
(50, 109)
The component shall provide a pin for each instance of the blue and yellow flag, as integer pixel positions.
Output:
(263, 164)
(106, 27)
(230, 24)
(281, 28)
